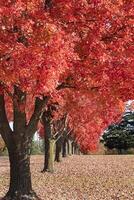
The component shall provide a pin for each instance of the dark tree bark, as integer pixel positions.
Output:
(48, 4)
(72, 147)
(58, 150)
(46, 118)
(64, 148)
(120, 151)
(18, 143)
(20, 177)
(76, 149)
(53, 135)
(46, 158)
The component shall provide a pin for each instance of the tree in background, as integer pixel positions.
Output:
(37, 147)
(120, 136)
(55, 132)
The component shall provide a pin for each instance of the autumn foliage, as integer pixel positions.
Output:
(77, 54)
(84, 46)
(103, 75)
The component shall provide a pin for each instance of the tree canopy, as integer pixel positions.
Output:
(77, 54)
(82, 47)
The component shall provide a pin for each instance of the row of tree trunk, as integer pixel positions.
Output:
(57, 139)
(55, 150)
(18, 142)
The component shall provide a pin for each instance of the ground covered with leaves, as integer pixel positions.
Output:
(80, 178)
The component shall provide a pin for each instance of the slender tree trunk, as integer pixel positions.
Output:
(46, 119)
(64, 148)
(72, 147)
(76, 149)
(51, 155)
(69, 147)
(46, 154)
(58, 153)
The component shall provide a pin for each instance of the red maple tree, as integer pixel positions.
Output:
(85, 46)
(34, 52)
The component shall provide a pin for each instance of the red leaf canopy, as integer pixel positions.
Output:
(89, 41)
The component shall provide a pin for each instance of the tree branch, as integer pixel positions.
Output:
(39, 107)
(48, 4)
(65, 85)
(19, 104)
(110, 37)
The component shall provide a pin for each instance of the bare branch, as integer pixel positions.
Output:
(56, 134)
(64, 86)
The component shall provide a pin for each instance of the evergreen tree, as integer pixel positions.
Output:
(121, 135)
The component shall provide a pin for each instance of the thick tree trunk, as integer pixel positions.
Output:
(20, 177)
(18, 144)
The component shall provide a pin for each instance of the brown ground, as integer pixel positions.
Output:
(80, 178)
